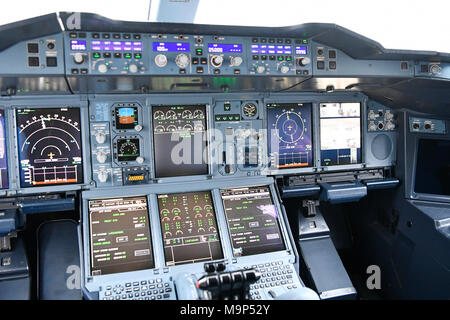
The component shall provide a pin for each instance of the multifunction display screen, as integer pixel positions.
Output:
(189, 227)
(171, 47)
(221, 48)
(119, 235)
(290, 143)
(3, 156)
(180, 141)
(100, 45)
(252, 220)
(340, 133)
(49, 142)
(126, 117)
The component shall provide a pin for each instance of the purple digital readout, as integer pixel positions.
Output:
(98, 45)
(221, 48)
(301, 50)
(271, 49)
(78, 45)
(171, 47)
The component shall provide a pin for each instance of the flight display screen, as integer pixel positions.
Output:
(126, 117)
(4, 183)
(180, 141)
(252, 220)
(120, 235)
(290, 143)
(189, 228)
(340, 133)
(49, 142)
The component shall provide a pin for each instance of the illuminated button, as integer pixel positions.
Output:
(264, 57)
(107, 55)
(136, 36)
(96, 55)
(116, 36)
(271, 40)
(95, 35)
(195, 60)
(106, 36)
(263, 40)
(137, 56)
(117, 55)
(255, 57)
(288, 58)
(127, 55)
(227, 107)
(127, 36)
(271, 57)
(280, 58)
(203, 61)
(199, 69)
(199, 51)
(320, 65)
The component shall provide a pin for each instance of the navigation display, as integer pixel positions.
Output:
(49, 142)
(290, 144)
(340, 133)
(180, 141)
(4, 183)
(189, 228)
(252, 220)
(119, 235)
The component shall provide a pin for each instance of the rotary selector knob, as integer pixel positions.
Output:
(284, 69)
(236, 61)
(372, 126)
(389, 116)
(140, 160)
(101, 157)
(78, 58)
(161, 60)
(302, 62)
(102, 176)
(100, 137)
(102, 68)
(216, 61)
(372, 115)
(182, 61)
(260, 69)
(133, 68)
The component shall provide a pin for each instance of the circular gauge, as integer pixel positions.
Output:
(290, 127)
(250, 110)
(188, 127)
(127, 149)
(199, 127)
(171, 128)
(171, 115)
(159, 129)
(187, 114)
(158, 115)
(198, 114)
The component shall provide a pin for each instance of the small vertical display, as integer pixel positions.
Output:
(4, 183)
(340, 133)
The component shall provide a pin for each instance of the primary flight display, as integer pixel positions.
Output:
(49, 142)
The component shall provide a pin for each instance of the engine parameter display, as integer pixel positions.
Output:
(189, 227)
(120, 235)
(340, 133)
(252, 220)
(180, 141)
(290, 144)
(49, 142)
(3, 155)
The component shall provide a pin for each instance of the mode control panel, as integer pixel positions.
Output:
(105, 53)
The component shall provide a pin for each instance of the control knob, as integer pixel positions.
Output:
(302, 62)
(284, 69)
(102, 68)
(372, 126)
(100, 137)
(260, 69)
(390, 126)
(140, 160)
(138, 127)
(389, 116)
(102, 176)
(216, 61)
(101, 157)
(133, 68)
(182, 60)
(161, 60)
(236, 61)
(78, 58)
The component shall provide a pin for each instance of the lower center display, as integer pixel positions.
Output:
(189, 228)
